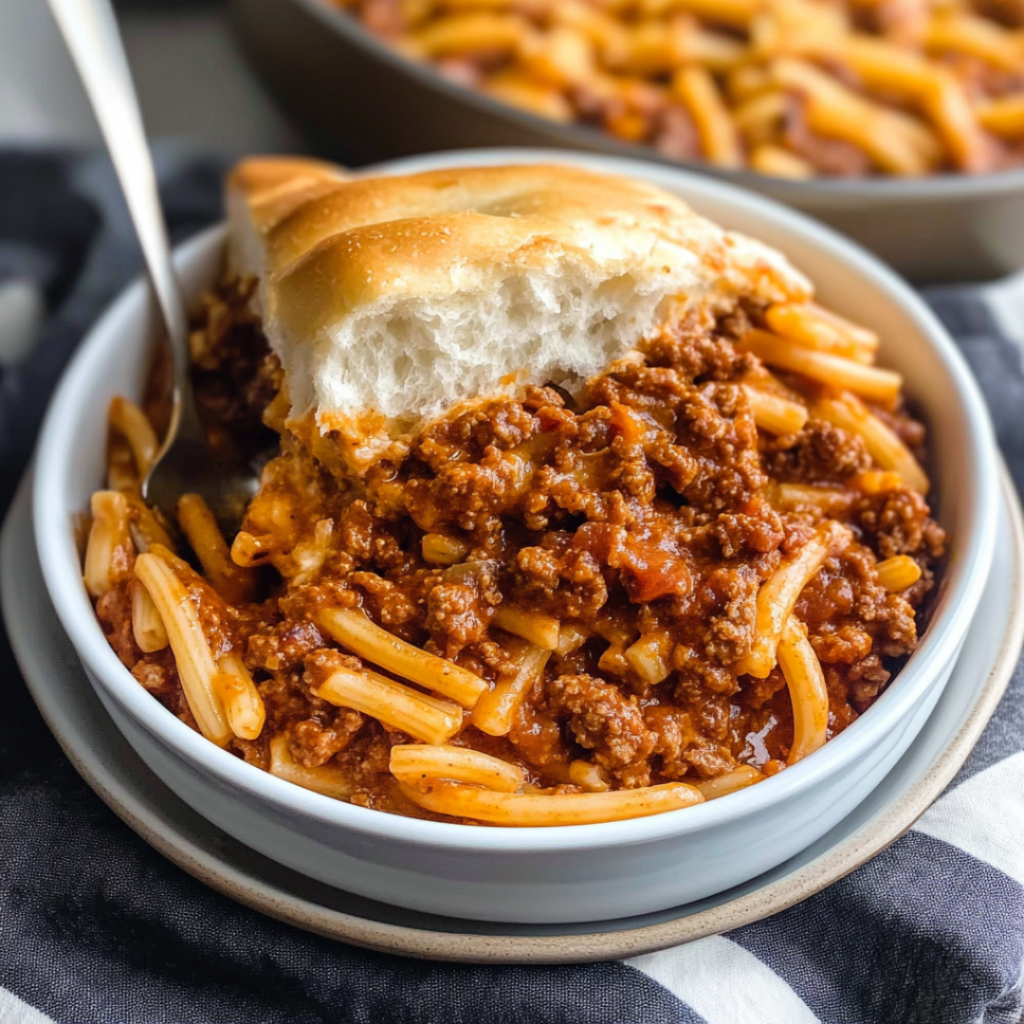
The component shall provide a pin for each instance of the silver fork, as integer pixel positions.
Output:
(184, 462)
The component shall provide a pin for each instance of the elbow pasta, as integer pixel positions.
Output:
(786, 88)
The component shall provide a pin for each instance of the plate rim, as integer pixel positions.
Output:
(777, 895)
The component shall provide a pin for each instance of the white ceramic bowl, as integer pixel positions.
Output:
(565, 874)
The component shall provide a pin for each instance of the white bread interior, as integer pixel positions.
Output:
(388, 300)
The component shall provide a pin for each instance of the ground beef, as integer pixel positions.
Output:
(642, 513)
(314, 742)
(114, 612)
(606, 722)
(820, 452)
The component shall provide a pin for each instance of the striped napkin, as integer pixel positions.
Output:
(97, 928)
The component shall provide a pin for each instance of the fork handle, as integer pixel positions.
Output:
(90, 30)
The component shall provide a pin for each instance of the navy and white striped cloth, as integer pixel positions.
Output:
(97, 928)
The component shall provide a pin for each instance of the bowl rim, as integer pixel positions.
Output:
(939, 646)
(885, 189)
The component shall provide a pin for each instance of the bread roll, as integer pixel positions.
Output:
(389, 300)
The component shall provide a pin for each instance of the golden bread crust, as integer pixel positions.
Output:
(614, 219)
(404, 295)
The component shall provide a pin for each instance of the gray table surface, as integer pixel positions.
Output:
(192, 81)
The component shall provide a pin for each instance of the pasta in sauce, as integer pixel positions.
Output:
(786, 88)
(548, 611)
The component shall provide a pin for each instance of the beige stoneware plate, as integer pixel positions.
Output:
(109, 765)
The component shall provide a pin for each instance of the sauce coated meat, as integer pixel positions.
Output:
(643, 517)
